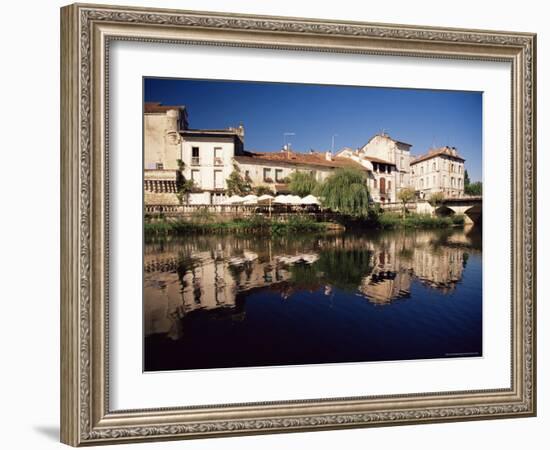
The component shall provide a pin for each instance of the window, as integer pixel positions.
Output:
(452, 181)
(279, 175)
(422, 170)
(402, 178)
(375, 184)
(159, 166)
(218, 179)
(421, 183)
(444, 180)
(389, 185)
(267, 175)
(247, 175)
(196, 177)
(195, 160)
(434, 166)
(218, 156)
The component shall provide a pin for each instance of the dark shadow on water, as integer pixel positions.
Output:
(49, 431)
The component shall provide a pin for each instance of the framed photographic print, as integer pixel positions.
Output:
(279, 224)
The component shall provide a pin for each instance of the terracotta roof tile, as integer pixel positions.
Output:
(311, 159)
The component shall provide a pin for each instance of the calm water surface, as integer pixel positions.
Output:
(237, 301)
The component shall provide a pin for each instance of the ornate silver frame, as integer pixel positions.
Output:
(86, 32)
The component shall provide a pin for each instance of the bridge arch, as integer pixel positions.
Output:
(444, 211)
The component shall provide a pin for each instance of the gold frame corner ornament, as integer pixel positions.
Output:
(86, 33)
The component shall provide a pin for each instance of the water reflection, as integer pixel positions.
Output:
(194, 282)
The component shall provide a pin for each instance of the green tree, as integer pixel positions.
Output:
(302, 183)
(185, 187)
(406, 195)
(474, 188)
(466, 179)
(236, 184)
(346, 192)
(436, 198)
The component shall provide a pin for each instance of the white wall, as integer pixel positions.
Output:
(30, 225)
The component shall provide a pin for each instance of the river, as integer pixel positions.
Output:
(241, 301)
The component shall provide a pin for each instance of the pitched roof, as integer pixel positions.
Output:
(305, 159)
(442, 151)
(157, 107)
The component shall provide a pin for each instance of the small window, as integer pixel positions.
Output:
(218, 179)
(196, 177)
(218, 156)
(267, 175)
(159, 166)
(389, 185)
(195, 159)
(279, 175)
(433, 166)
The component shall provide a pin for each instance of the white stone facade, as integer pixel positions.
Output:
(208, 157)
(440, 170)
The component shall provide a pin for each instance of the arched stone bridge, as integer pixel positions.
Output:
(471, 207)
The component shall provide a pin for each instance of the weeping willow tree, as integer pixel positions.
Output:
(346, 192)
(302, 183)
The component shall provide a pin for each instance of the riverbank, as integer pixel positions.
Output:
(388, 221)
(254, 225)
(296, 224)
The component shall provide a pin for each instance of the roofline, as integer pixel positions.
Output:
(428, 156)
(259, 159)
(388, 137)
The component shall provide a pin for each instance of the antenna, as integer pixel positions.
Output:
(332, 148)
(285, 134)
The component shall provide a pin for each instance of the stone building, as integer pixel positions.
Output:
(208, 157)
(383, 147)
(174, 152)
(439, 170)
(162, 145)
(388, 161)
(273, 169)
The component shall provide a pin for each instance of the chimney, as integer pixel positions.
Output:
(328, 156)
(240, 130)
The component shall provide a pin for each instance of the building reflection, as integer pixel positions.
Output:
(210, 273)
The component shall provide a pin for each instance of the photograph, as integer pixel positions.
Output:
(294, 224)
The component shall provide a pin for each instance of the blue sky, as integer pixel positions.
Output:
(423, 118)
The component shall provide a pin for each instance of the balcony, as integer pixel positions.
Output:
(195, 161)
